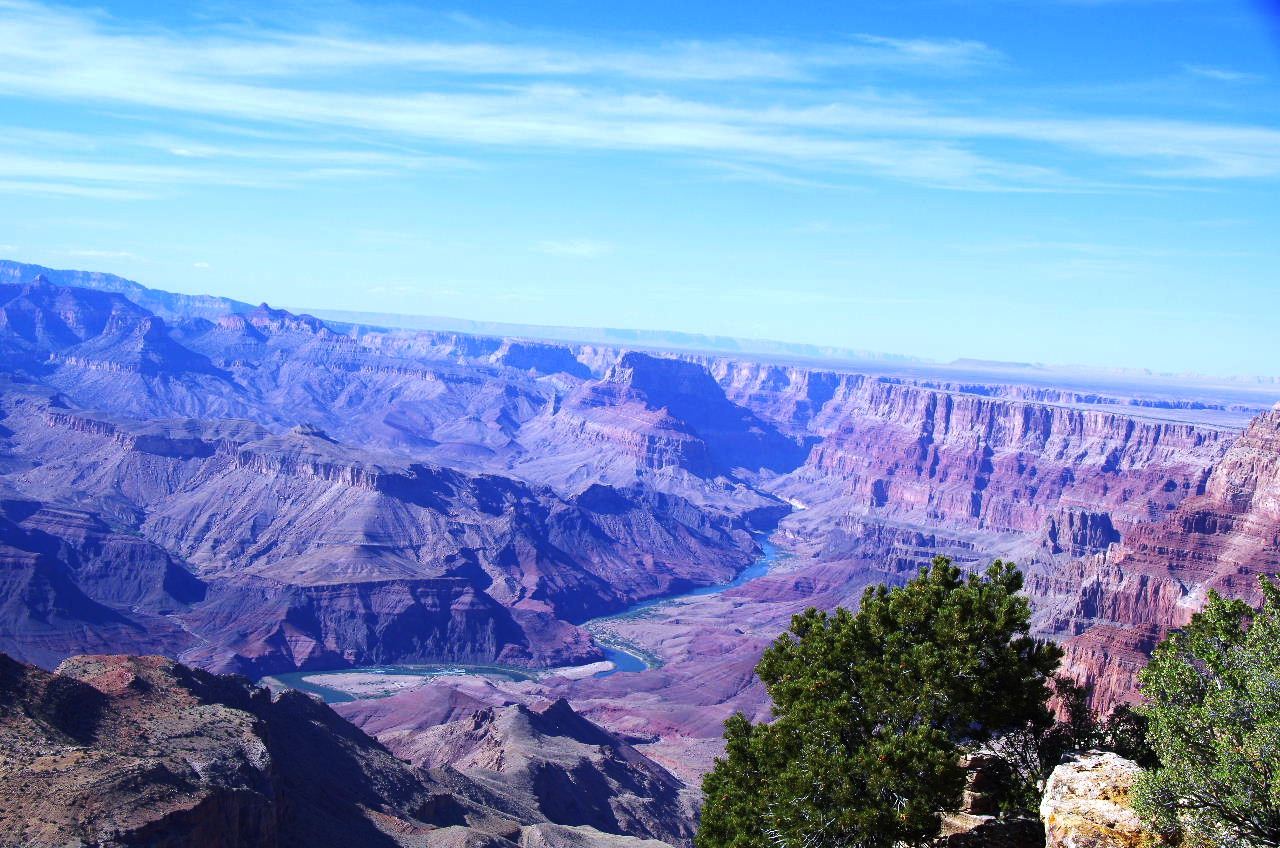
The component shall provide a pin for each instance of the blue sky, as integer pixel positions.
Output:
(1081, 181)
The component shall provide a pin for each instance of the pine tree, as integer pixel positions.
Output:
(1213, 720)
(870, 710)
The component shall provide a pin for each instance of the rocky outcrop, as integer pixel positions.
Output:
(1109, 657)
(965, 830)
(978, 823)
(112, 751)
(790, 396)
(1087, 804)
(40, 322)
(735, 437)
(1078, 532)
(795, 397)
(558, 836)
(1160, 575)
(994, 464)
(653, 415)
(539, 357)
(69, 580)
(262, 626)
(168, 305)
(1230, 532)
(129, 751)
(553, 764)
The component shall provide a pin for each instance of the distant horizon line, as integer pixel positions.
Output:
(747, 345)
(678, 340)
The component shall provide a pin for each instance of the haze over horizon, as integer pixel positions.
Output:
(1010, 181)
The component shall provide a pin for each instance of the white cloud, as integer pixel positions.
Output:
(293, 93)
(1221, 74)
(100, 254)
(393, 289)
(58, 189)
(580, 248)
(951, 54)
(250, 53)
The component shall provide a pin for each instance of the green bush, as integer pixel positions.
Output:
(870, 711)
(1213, 720)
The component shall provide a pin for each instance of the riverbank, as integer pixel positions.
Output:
(621, 655)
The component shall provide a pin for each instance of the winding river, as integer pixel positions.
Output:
(624, 656)
(627, 657)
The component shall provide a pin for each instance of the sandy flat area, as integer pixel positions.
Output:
(363, 684)
(578, 672)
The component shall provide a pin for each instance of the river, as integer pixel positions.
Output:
(627, 657)
(624, 656)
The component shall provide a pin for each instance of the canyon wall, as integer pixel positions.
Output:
(257, 490)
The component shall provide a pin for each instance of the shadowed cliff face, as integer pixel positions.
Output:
(734, 436)
(547, 762)
(130, 750)
(117, 751)
(66, 577)
(260, 493)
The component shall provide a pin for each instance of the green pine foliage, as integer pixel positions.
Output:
(870, 710)
(1213, 720)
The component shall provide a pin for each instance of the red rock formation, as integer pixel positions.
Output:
(337, 494)
(298, 533)
(124, 751)
(118, 751)
(999, 465)
(1161, 573)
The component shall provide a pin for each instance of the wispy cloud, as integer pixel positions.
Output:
(247, 53)
(402, 288)
(133, 168)
(1090, 250)
(578, 248)
(1221, 74)
(327, 107)
(52, 188)
(90, 253)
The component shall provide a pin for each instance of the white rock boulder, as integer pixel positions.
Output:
(1087, 804)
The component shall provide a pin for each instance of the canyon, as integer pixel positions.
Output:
(145, 751)
(245, 489)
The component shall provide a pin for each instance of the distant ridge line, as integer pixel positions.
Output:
(664, 339)
(172, 305)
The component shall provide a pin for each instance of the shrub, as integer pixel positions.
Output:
(870, 711)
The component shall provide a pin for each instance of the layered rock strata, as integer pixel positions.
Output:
(114, 751)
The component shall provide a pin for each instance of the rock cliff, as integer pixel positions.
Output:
(113, 751)
(548, 763)
(1221, 539)
(271, 544)
(256, 490)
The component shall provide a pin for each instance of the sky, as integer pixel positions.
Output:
(1089, 182)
